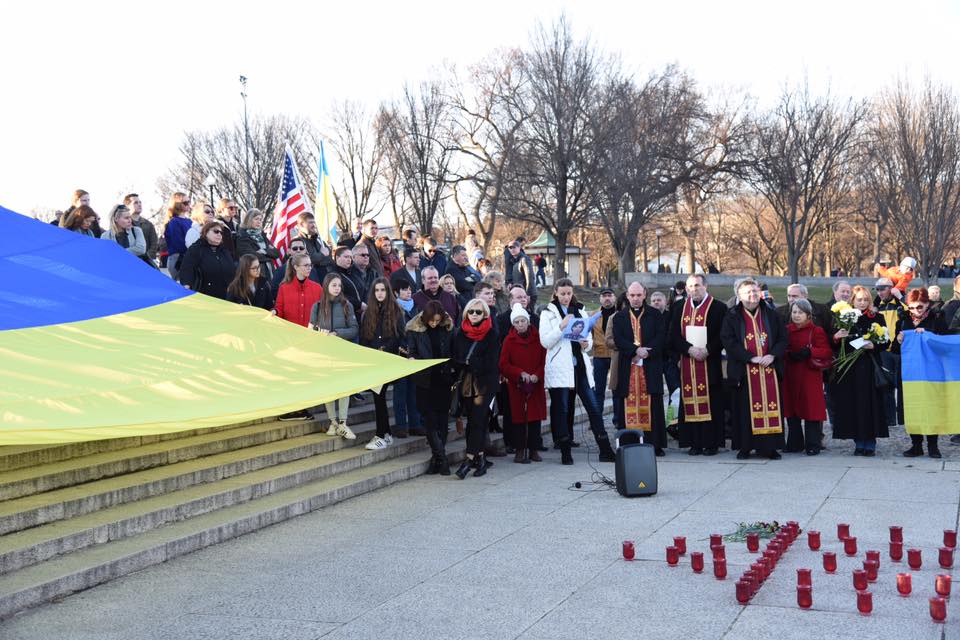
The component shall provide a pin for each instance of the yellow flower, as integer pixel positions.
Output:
(840, 307)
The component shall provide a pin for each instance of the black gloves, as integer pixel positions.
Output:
(800, 355)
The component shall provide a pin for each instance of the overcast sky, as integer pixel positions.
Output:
(98, 96)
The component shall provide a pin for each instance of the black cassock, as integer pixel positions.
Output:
(858, 410)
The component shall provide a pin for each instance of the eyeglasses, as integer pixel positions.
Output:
(255, 267)
(216, 232)
(882, 287)
(475, 312)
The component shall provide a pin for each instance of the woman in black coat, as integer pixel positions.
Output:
(249, 287)
(429, 337)
(206, 266)
(476, 357)
(382, 328)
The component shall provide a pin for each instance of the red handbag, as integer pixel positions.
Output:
(817, 364)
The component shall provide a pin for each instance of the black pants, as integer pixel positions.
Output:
(434, 407)
(477, 410)
(526, 435)
(380, 408)
(932, 442)
(805, 436)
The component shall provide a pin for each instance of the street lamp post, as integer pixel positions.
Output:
(208, 182)
(659, 232)
(246, 141)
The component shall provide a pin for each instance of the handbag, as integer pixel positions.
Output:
(456, 387)
(884, 373)
(817, 364)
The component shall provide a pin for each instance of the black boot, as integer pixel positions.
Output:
(433, 468)
(464, 468)
(480, 461)
(916, 448)
(606, 451)
(812, 435)
(565, 456)
(443, 467)
(933, 447)
(521, 457)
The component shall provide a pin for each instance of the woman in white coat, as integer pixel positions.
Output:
(569, 368)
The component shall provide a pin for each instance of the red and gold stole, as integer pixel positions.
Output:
(638, 409)
(762, 385)
(694, 377)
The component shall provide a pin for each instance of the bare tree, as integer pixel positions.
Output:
(556, 158)
(801, 162)
(488, 121)
(359, 151)
(220, 154)
(419, 144)
(916, 142)
(754, 229)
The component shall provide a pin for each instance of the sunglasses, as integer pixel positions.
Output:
(216, 231)
(298, 248)
(209, 212)
(881, 287)
(915, 307)
(475, 312)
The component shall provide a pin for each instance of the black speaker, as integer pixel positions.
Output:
(636, 465)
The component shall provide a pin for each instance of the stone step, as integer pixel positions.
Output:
(71, 501)
(28, 456)
(73, 471)
(87, 550)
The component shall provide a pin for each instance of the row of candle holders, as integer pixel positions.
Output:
(753, 578)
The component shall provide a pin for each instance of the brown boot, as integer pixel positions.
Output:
(535, 456)
(521, 457)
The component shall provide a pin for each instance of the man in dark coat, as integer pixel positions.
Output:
(368, 238)
(519, 270)
(755, 371)
(821, 312)
(409, 272)
(701, 372)
(459, 267)
(640, 366)
(352, 281)
(431, 256)
(432, 291)
(320, 254)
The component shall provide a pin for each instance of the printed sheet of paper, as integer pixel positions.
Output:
(697, 336)
(858, 343)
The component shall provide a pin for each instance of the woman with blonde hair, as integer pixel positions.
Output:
(333, 315)
(124, 232)
(175, 231)
(859, 413)
(251, 239)
(201, 214)
(475, 354)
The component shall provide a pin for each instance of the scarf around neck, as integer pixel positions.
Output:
(476, 332)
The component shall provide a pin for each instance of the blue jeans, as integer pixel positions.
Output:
(405, 404)
(560, 404)
(601, 368)
(866, 445)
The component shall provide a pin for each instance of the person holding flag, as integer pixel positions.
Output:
(694, 333)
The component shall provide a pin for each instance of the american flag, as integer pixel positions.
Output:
(292, 201)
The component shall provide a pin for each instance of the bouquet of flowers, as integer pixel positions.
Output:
(763, 529)
(877, 334)
(844, 315)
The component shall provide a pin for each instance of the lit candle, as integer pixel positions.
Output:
(813, 540)
(938, 609)
(805, 597)
(946, 557)
(720, 568)
(914, 559)
(950, 538)
(829, 561)
(843, 531)
(904, 584)
(859, 579)
(680, 542)
(696, 561)
(872, 569)
(753, 542)
(673, 556)
(896, 534)
(850, 545)
(628, 550)
(864, 602)
(896, 551)
(941, 585)
(804, 578)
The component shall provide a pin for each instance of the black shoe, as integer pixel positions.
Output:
(913, 452)
(482, 466)
(556, 445)
(858, 451)
(935, 453)
(542, 448)
(574, 444)
(869, 453)
(357, 397)
(659, 452)
(710, 451)
(510, 450)
(417, 431)
(773, 455)
(434, 467)
(607, 454)
(464, 468)
(695, 451)
(743, 455)
(443, 467)
(955, 439)
(813, 452)
(565, 456)
(294, 416)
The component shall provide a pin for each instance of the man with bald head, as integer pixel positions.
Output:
(694, 333)
(639, 335)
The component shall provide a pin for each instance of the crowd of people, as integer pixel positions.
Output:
(764, 378)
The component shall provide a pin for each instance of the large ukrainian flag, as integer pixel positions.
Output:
(94, 343)
(931, 383)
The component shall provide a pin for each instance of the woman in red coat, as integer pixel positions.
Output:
(522, 359)
(803, 397)
(297, 293)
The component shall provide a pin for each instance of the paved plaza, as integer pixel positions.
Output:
(522, 554)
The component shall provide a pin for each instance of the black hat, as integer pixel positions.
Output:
(607, 290)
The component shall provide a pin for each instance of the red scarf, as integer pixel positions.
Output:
(476, 332)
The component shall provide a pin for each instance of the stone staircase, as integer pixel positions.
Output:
(77, 515)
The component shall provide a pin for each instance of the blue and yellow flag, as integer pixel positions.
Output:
(931, 383)
(95, 343)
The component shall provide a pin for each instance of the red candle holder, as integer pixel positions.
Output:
(743, 592)
(719, 551)
(753, 542)
(629, 551)
(950, 538)
(938, 609)
(715, 539)
(896, 551)
(680, 542)
(804, 578)
(760, 570)
(843, 531)
(829, 561)
(914, 559)
(720, 568)
(872, 568)
(896, 534)
(859, 579)
(946, 558)
(673, 556)
(941, 585)
(850, 545)
(805, 597)
(696, 561)
(793, 528)
(768, 566)
(753, 580)
(904, 584)
(874, 556)
(864, 602)
(813, 540)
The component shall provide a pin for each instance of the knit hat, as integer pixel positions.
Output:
(518, 312)
(908, 263)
